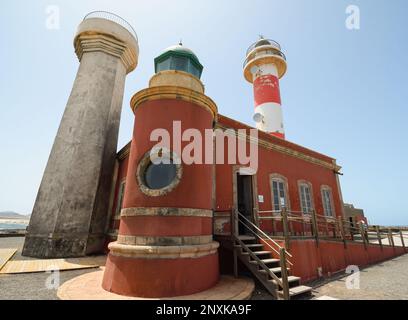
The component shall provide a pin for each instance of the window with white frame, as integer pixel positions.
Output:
(306, 198)
(119, 201)
(327, 202)
(279, 197)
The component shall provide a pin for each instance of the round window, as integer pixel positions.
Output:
(158, 172)
(158, 176)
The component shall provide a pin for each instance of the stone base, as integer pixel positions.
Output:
(89, 287)
(64, 246)
(155, 277)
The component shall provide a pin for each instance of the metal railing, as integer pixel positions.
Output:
(264, 53)
(290, 225)
(272, 43)
(282, 253)
(250, 226)
(114, 18)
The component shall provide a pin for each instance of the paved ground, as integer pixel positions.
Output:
(88, 287)
(387, 280)
(383, 281)
(30, 286)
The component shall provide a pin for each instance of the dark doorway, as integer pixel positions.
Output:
(245, 201)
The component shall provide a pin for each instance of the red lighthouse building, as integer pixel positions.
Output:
(165, 237)
(176, 226)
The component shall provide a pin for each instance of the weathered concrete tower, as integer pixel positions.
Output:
(70, 213)
(265, 64)
(165, 246)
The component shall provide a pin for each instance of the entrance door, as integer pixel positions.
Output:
(245, 201)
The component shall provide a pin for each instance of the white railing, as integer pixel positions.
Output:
(114, 18)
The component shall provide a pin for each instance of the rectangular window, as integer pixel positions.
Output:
(306, 198)
(327, 202)
(164, 65)
(180, 63)
(279, 195)
(119, 202)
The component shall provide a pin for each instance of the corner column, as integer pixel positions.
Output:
(165, 246)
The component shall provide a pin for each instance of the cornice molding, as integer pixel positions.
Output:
(98, 42)
(175, 93)
(285, 150)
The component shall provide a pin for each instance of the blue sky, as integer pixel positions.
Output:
(344, 94)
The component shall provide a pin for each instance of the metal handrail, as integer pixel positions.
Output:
(272, 43)
(114, 18)
(259, 261)
(265, 235)
(266, 52)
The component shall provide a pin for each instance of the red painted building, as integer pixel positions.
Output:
(171, 222)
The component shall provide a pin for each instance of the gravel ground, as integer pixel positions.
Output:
(31, 286)
(384, 281)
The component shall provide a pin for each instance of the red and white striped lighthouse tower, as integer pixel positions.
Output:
(265, 64)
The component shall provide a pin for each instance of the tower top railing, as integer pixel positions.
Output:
(272, 43)
(114, 18)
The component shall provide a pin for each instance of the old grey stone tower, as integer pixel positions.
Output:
(71, 210)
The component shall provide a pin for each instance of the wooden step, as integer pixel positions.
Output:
(295, 291)
(290, 279)
(246, 238)
(273, 270)
(261, 253)
(256, 245)
(266, 261)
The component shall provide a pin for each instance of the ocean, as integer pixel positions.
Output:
(9, 226)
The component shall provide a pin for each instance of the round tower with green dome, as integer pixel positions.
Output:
(166, 224)
(179, 58)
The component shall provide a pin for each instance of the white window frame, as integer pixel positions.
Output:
(279, 179)
(302, 184)
(324, 189)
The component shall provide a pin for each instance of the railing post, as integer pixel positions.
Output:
(315, 227)
(402, 240)
(377, 229)
(284, 274)
(285, 227)
(233, 234)
(341, 230)
(362, 232)
(391, 237)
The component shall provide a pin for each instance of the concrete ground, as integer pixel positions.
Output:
(384, 281)
(36, 286)
(30, 286)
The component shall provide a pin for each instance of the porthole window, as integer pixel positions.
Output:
(158, 176)
(159, 172)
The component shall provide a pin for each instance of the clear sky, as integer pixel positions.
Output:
(344, 94)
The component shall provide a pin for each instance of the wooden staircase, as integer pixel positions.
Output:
(272, 272)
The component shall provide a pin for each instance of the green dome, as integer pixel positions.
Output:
(178, 57)
(181, 49)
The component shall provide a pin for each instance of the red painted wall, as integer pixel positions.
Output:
(294, 169)
(194, 190)
(121, 176)
(333, 257)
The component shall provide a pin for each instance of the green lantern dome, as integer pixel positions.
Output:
(180, 58)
